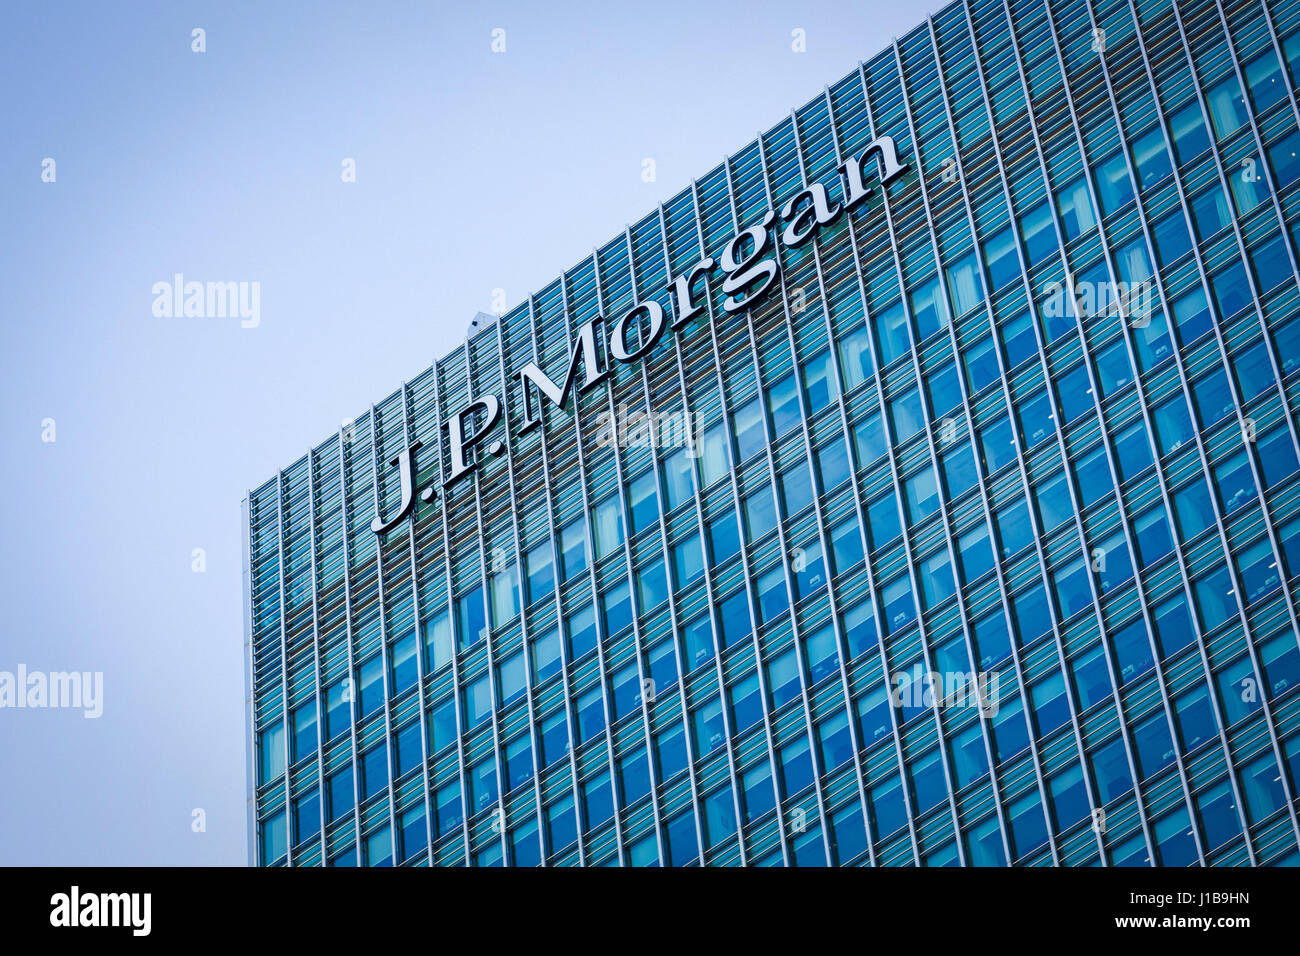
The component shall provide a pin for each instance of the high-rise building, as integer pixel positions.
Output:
(917, 487)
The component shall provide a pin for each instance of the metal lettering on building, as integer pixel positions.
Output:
(749, 268)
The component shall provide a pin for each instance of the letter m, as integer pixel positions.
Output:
(531, 377)
(223, 299)
(116, 909)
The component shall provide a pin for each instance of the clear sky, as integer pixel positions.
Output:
(475, 171)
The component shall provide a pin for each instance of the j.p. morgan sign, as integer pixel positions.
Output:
(749, 267)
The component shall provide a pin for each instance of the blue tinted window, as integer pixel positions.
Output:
(1114, 188)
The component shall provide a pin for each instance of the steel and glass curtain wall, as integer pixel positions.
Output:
(916, 488)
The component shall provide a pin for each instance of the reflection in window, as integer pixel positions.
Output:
(714, 460)
(892, 337)
(1188, 131)
(1114, 188)
(820, 384)
(964, 285)
(783, 403)
(907, 416)
(1264, 76)
(573, 542)
(1003, 263)
(929, 310)
(1039, 235)
(1075, 208)
(1192, 316)
(1210, 212)
(855, 358)
(747, 423)
(1151, 158)
(1172, 239)
(1227, 108)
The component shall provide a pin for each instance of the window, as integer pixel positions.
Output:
(747, 423)
(976, 553)
(796, 487)
(306, 817)
(869, 439)
(402, 660)
(1075, 208)
(922, 495)
(964, 285)
(582, 631)
(1188, 131)
(688, 560)
(855, 358)
(338, 716)
(821, 387)
(1114, 188)
(471, 624)
(1210, 212)
(783, 404)
(643, 502)
(304, 731)
(407, 752)
(1264, 76)
(273, 838)
(981, 360)
(1282, 156)
(760, 513)
(504, 592)
(450, 813)
(1151, 158)
(1113, 369)
(442, 725)
(1227, 108)
(1173, 424)
(1231, 289)
(511, 678)
(1018, 340)
(1192, 316)
(608, 526)
(546, 656)
(371, 680)
(679, 483)
(714, 460)
(1039, 235)
(1057, 312)
(724, 537)
(573, 544)
(892, 337)
(697, 636)
(1270, 264)
(929, 310)
(846, 545)
(271, 750)
(1172, 239)
(652, 585)
(415, 838)
(541, 573)
(374, 771)
(519, 762)
(833, 464)
(773, 598)
(340, 793)
(906, 415)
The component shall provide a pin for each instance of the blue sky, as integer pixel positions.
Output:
(475, 171)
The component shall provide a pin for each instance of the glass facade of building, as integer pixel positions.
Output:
(986, 548)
